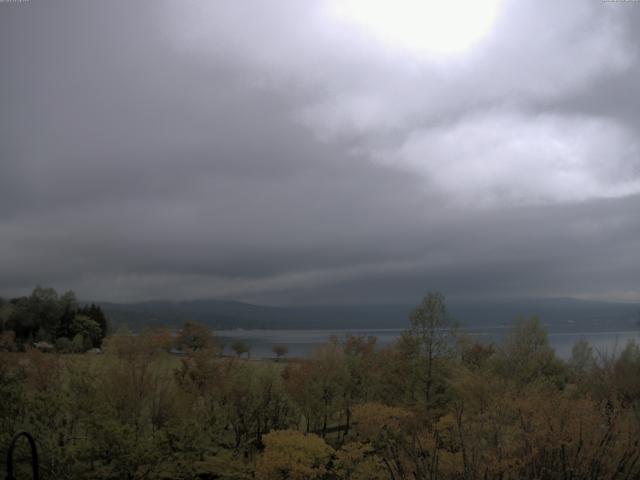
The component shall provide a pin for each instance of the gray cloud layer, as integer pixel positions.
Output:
(242, 150)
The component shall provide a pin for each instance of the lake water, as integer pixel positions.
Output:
(302, 343)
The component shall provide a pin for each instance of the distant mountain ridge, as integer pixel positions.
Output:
(224, 314)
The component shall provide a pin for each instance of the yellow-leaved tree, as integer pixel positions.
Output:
(292, 455)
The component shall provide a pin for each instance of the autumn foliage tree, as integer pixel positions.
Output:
(292, 455)
(195, 337)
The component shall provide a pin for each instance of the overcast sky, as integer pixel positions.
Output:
(288, 152)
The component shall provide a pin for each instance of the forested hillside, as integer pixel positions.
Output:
(563, 312)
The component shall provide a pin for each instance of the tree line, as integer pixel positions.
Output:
(52, 320)
(436, 404)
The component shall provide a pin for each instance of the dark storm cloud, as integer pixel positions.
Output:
(196, 149)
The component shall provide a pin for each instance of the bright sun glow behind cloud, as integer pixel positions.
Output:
(438, 27)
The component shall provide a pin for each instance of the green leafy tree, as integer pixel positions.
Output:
(240, 348)
(44, 316)
(88, 328)
(583, 360)
(5, 313)
(526, 355)
(430, 339)
(280, 350)
(96, 313)
(69, 307)
(77, 344)
(40, 310)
